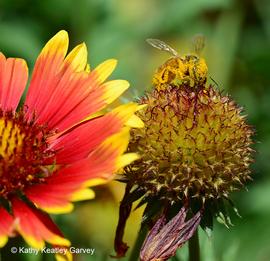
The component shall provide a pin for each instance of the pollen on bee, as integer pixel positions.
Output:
(187, 70)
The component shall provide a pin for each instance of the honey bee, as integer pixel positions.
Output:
(188, 70)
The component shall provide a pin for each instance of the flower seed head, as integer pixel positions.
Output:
(195, 143)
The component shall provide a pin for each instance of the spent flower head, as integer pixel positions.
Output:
(196, 144)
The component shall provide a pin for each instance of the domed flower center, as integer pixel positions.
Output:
(194, 143)
(24, 155)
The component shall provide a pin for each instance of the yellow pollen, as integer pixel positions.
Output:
(11, 138)
(189, 69)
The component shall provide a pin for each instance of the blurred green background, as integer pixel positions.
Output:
(238, 55)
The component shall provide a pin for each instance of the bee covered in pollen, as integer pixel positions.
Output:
(188, 70)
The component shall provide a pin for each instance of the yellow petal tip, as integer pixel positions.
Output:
(59, 209)
(114, 89)
(126, 159)
(83, 194)
(135, 122)
(3, 241)
(104, 70)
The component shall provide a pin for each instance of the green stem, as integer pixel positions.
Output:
(194, 247)
(135, 254)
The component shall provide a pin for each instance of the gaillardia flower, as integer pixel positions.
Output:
(196, 142)
(57, 144)
(195, 148)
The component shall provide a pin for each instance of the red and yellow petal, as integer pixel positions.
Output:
(76, 60)
(6, 226)
(52, 198)
(134, 121)
(78, 142)
(69, 88)
(44, 77)
(13, 78)
(35, 226)
(102, 163)
(104, 70)
(113, 89)
(83, 194)
(79, 97)
(62, 91)
(65, 187)
(70, 183)
(112, 150)
(57, 194)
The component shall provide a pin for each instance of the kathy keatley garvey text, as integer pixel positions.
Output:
(56, 250)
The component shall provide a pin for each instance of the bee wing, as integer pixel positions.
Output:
(161, 46)
(198, 43)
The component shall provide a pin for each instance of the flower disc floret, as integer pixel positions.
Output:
(25, 157)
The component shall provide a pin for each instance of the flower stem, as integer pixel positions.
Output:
(135, 254)
(194, 247)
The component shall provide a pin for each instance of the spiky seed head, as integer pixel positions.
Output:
(196, 143)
